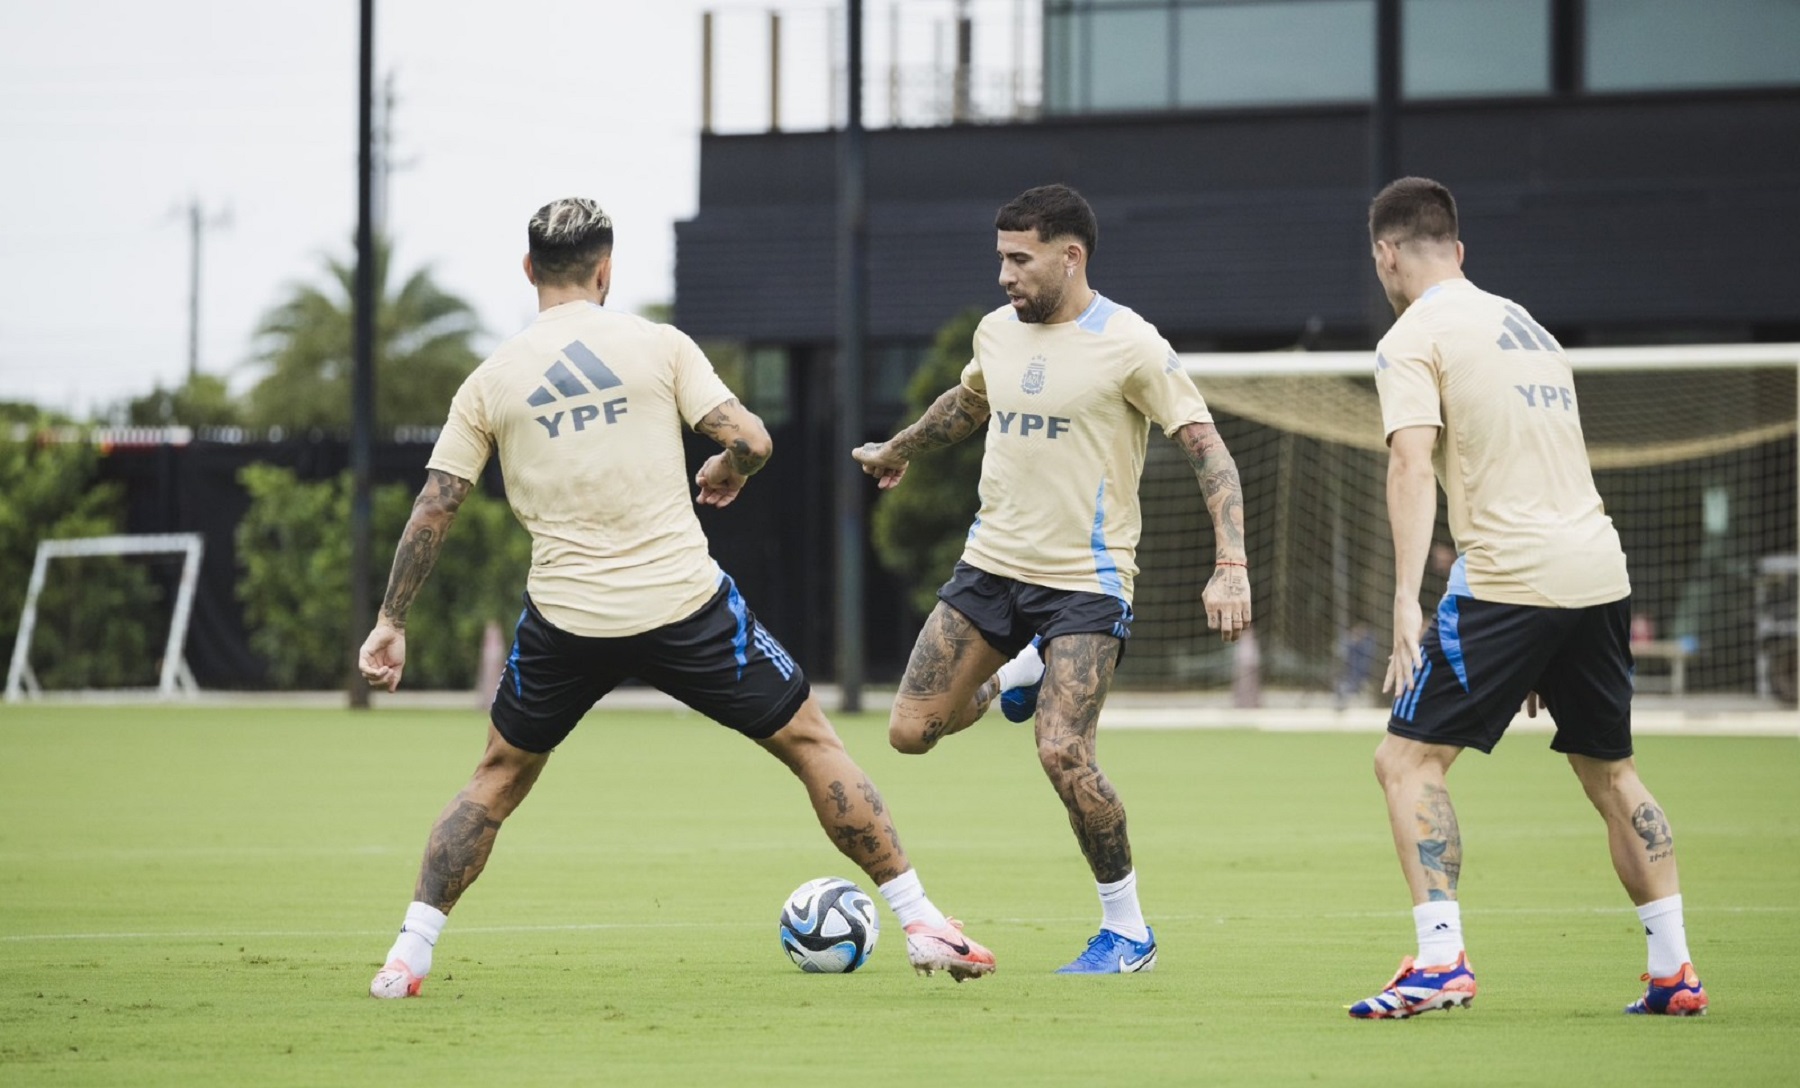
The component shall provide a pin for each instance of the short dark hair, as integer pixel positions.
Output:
(568, 237)
(1413, 209)
(1054, 211)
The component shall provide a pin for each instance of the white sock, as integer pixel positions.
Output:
(907, 899)
(418, 934)
(1119, 910)
(1022, 671)
(1666, 932)
(1439, 925)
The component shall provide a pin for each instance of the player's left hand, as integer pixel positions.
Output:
(383, 656)
(719, 483)
(1227, 601)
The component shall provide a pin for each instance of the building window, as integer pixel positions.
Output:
(1128, 59)
(1643, 45)
(1470, 48)
(1232, 54)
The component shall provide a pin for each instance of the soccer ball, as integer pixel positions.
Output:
(829, 926)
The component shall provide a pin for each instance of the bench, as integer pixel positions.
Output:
(1673, 653)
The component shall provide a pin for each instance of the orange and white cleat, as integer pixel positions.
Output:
(396, 980)
(1416, 989)
(1678, 995)
(945, 948)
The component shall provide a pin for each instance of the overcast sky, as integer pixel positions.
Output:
(115, 114)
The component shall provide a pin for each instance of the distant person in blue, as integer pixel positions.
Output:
(1479, 397)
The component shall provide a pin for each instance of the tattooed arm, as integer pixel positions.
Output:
(1227, 593)
(747, 448)
(954, 416)
(383, 654)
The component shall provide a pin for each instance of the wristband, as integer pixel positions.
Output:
(1230, 563)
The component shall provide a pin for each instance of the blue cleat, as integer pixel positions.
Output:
(1678, 995)
(1019, 704)
(1110, 953)
(1416, 989)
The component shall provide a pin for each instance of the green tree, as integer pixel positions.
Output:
(422, 351)
(294, 554)
(919, 527)
(96, 617)
(201, 401)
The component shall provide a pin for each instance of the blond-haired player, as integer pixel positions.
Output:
(585, 409)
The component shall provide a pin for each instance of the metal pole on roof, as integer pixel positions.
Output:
(362, 378)
(852, 325)
(706, 73)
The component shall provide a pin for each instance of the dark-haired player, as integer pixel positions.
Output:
(1477, 394)
(1066, 384)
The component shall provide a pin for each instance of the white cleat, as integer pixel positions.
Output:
(944, 948)
(396, 980)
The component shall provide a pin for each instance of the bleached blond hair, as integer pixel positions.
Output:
(568, 237)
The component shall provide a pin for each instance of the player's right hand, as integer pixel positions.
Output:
(1409, 622)
(880, 462)
(383, 656)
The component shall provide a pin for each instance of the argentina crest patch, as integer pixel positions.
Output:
(1033, 381)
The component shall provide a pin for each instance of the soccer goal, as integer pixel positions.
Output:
(174, 677)
(1693, 449)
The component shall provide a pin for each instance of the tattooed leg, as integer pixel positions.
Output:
(948, 682)
(1439, 840)
(849, 807)
(1078, 671)
(463, 836)
(1637, 831)
(1426, 836)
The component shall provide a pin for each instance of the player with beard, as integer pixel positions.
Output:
(1066, 384)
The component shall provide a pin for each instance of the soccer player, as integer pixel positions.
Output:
(1537, 610)
(1066, 384)
(585, 409)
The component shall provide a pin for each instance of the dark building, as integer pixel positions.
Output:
(1629, 168)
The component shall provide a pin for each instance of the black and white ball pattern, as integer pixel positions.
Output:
(829, 926)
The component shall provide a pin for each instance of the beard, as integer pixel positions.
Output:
(1038, 308)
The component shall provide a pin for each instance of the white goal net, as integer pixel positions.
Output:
(1693, 449)
(172, 676)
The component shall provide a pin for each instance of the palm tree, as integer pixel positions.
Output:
(422, 352)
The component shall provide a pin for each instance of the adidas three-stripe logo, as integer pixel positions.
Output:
(774, 651)
(561, 383)
(1524, 333)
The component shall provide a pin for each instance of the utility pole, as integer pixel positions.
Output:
(382, 163)
(198, 222)
(852, 329)
(362, 375)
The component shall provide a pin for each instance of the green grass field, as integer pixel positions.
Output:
(199, 896)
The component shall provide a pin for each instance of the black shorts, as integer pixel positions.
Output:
(720, 661)
(1010, 614)
(1482, 659)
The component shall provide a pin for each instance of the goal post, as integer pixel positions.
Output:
(175, 677)
(1693, 450)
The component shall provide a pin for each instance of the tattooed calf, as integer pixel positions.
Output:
(1653, 827)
